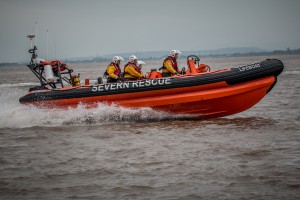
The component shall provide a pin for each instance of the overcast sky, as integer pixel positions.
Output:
(91, 27)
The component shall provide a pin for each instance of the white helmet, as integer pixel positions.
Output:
(140, 63)
(117, 58)
(132, 58)
(174, 52)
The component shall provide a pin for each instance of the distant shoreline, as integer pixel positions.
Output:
(100, 59)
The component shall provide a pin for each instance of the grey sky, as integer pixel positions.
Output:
(87, 27)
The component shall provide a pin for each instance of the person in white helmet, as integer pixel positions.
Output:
(113, 71)
(170, 67)
(140, 66)
(131, 70)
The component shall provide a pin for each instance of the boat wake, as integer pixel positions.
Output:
(15, 115)
(17, 85)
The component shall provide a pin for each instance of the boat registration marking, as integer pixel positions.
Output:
(127, 85)
(249, 67)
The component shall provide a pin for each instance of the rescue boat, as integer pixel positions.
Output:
(202, 93)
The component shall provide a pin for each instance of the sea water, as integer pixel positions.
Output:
(110, 152)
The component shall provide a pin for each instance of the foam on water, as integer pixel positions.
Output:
(251, 155)
(15, 115)
(17, 85)
(291, 72)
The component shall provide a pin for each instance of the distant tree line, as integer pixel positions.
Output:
(288, 51)
(6, 64)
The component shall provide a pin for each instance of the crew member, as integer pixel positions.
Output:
(140, 66)
(131, 70)
(113, 71)
(170, 67)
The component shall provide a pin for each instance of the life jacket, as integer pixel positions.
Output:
(117, 71)
(173, 61)
(135, 67)
(139, 70)
(55, 64)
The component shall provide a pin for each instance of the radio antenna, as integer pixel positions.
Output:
(35, 33)
(54, 45)
(47, 45)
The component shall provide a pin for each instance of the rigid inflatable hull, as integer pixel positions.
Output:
(209, 95)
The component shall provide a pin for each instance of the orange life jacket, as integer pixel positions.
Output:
(55, 64)
(139, 70)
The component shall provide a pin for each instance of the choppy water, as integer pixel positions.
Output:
(121, 153)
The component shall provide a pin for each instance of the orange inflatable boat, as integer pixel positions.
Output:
(204, 94)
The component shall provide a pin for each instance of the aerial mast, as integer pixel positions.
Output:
(47, 45)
